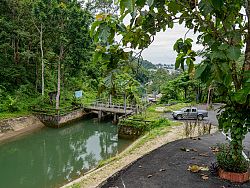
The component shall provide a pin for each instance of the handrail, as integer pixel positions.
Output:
(95, 104)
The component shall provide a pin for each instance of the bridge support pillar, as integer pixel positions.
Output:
(100, 114)
(115, 121)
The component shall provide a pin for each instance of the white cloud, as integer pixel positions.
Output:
(161, 50)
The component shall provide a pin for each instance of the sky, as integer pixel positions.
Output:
(161, 50)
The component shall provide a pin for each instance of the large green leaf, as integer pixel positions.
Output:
(150, 2)
(233, 53)
(241, 95)
(104, 33)
(93, 28)
(205, 7)
(179, 60)
(127, 4)
(218, 55)
(173, 7)
(217, 4)
(201, 68)
(140, 2)
(223, 47)
(190, 64)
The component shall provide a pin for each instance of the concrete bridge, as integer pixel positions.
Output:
(103, 109)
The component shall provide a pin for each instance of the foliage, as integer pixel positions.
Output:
(63, 24)
(7, 115)
(144, 125)
(183, 88)
(157, 79)
(222, 29)
(227, 162)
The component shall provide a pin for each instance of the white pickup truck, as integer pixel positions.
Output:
(190, 113)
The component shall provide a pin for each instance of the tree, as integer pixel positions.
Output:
(32, 35)
(102, 6)
(223, 30)
(39, 20)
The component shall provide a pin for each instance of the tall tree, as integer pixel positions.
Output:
(39, 20)
(223, 31)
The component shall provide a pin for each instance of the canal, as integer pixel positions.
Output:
(52, 157)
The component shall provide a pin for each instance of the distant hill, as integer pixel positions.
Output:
(147, 64)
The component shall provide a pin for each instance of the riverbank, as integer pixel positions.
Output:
(14, 127)
(143, 146)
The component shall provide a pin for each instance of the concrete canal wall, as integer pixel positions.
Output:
(13, 127)
(60, 120)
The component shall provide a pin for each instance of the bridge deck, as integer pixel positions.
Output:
(111, 108)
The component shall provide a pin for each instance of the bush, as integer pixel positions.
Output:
(228, 162)
(160, 123)
(10, 104)
(144, 126)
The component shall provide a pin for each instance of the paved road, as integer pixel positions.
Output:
(214, 121)
(166, 167)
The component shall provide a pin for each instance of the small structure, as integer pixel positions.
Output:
(104, 109)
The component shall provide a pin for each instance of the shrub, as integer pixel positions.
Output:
(228, 162)
(11, 104)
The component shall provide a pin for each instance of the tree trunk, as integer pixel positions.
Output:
(125, 105)
(41, 47)
(59, 78)
(208, 97)
(110, 99)
(36, 77)
(246, 65)
(185, 93)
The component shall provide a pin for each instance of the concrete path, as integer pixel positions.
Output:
(167, 166)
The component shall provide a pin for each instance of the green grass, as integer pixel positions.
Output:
(6, 115)
(176, 107)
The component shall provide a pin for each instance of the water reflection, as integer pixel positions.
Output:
(52, 157)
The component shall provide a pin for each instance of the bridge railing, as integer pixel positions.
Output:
(53, 111)
(100, 104)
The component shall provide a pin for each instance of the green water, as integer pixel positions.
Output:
(53, 157)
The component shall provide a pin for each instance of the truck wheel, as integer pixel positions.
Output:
(179, 117)
(200, 117)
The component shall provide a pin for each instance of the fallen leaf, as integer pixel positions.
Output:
(205, 177)
(215, 149)
(185, 149)
(149, 176)
(194, 168)
(195, 150)
(203, 154)
(205, 168)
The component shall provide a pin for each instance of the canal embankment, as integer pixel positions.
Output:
(13, 127)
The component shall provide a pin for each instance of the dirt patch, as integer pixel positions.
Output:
(132, 154)
(11, 128)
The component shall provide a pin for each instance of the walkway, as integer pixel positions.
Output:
(167, 167)
(111, 108)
